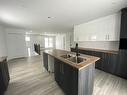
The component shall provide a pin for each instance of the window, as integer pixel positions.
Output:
(48, 42)
(27, 38)
(29, 53)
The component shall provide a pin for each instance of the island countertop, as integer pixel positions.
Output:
(56, 53)
(2, 58)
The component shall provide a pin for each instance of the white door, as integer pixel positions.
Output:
(49, 42)
(16, 46)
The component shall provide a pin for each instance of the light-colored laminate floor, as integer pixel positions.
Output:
(28, 77)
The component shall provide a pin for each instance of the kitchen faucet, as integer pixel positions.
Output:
(77, 50)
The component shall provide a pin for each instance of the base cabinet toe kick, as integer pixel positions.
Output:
(71, 80)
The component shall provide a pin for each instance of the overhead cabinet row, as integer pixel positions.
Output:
(103, 29)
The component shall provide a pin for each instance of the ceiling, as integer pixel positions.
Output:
(55, 14)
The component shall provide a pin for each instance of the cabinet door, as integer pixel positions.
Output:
(70, 80)
(113, 29)
(99, 63)
(103, 29)
(6, 69)
(81, 33)
(123, 33)
(2, 86)
(122, 66)
(115, 61)
(6, 77)
(109, 64)
(57, 72)
(106, 64)
(66, 77)
(45, 60)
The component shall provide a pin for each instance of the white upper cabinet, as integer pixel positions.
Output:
(103, 29)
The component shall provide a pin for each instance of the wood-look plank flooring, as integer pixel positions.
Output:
(28, 77)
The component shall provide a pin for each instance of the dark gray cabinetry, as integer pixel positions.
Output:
(66, 77)
(108, 62)
(45, 60)
(87, 52)
(4, 76)
(123, 33)
(74, 81)
(122, 66)
(99, 63)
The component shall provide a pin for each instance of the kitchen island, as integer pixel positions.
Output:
(74, 75)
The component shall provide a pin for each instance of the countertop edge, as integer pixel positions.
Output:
(3, 58)
(78, 67)
(99, 50)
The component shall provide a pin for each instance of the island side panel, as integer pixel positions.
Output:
(86, 80)
(45, 60)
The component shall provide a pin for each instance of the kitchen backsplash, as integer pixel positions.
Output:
(106, 45)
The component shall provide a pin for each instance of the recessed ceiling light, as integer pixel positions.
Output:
(49, 17)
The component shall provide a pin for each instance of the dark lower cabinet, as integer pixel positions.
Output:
(122, 66)
(74, 81)
(2, 87)
(4, 76)
(123, 33)
(107, 63)
(45, 60)
(99, 63)
(111, 63)
(86, 52)
(66, 77)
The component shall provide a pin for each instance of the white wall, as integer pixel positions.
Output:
(17, 46)
(3, 49)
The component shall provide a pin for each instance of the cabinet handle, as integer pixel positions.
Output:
(106, 37)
